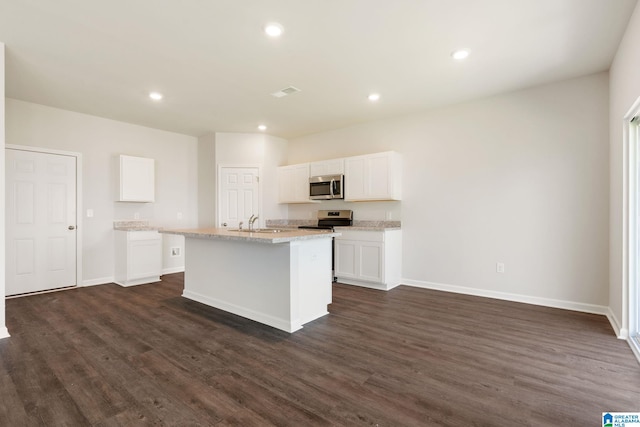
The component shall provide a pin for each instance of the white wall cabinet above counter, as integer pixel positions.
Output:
(326, 167)
(293, 184)
(137, 179)
(370, 177)
(373, 177)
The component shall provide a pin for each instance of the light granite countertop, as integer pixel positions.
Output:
(367, 228)
(286, 235)
(357, 225)
(134, 225)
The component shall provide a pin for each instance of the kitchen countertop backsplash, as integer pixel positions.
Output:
(357, 225)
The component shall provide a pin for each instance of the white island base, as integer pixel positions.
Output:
(283, 285)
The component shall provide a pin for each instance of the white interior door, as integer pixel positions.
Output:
(239, 195)
(40, 221)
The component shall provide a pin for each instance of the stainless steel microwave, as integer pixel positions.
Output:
(326, 187)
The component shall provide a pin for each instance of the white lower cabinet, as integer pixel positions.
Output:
(138, 257)
(369, 258)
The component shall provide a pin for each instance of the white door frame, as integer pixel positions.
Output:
(221, 166)
(79, 226)
(631, 266)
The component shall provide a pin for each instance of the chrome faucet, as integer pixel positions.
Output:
(240, 225)
(252, 220)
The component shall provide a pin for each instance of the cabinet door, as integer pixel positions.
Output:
(371, 262)
(137, 179)
(354, 178)
(285, 189)
(346, 258)
(145, 259)
(378, 175)
(373, 177)
(293, 184)
(359, 260)
(301, 183)
(327, 167)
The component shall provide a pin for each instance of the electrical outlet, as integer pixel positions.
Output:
(179, 215)
(136, 215)
(175, 251)
(500, 267)
(89, 213)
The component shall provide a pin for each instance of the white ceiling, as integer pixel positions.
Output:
(217, 69)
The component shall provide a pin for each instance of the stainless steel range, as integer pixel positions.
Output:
(327, 220)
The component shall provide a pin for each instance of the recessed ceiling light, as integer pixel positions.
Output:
(373, 97)
(262, 127)
(273, 29)
(460, 54)
(156, 96)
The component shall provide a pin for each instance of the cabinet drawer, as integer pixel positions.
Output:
(142, 235)
(361, 235)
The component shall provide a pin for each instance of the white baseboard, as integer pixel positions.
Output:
(105, 280)
(4, 333)
(546, 302)
(635, 347)
(370, 285)
(621, 333)
(282, 324)
(173, 270)
(136, 282)
(99, 281)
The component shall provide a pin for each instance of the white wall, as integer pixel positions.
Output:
(100, 141)
(520, 178)
(3, 329)
(624, 90)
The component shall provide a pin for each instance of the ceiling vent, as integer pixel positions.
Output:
(286, 91)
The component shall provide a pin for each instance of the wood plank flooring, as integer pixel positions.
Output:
(113, 356)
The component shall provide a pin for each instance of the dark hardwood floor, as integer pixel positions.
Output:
(112, 356)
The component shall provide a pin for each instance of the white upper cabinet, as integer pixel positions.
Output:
(137, 179)
(293, 184)
(373, 177)
(327, 167)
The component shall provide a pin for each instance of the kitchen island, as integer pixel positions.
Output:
(279, 278)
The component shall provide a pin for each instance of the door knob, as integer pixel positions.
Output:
(72, 227)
